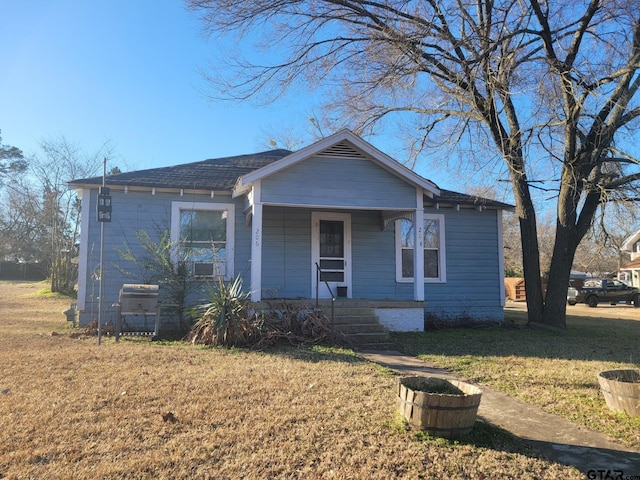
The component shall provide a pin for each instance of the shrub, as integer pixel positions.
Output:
(229, 319)
(225, 320)
(295, 324)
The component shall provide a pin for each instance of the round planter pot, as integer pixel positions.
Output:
(621, 390)
(443, 408)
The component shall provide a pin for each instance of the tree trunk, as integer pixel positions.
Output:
(555, 302)
(530, 248)
(570, 229)
(531, 269)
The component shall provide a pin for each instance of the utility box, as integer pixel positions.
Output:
(138, 298)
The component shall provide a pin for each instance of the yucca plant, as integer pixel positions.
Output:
(225, 320)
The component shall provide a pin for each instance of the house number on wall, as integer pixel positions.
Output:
(421, 237)
(257, 237)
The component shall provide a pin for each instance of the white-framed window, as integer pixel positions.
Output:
(434, 249)
(203, 235)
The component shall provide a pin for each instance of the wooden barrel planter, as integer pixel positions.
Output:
(621, 390)
(443, 408)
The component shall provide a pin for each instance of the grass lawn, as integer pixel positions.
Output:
(135, 409)
(554, 370)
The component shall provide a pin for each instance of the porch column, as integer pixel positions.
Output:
(256, 245)
(418, 251)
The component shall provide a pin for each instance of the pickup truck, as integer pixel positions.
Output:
(596, 290)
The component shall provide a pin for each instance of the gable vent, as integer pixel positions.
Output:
(342, 150)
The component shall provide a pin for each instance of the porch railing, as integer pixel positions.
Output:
(333, 297)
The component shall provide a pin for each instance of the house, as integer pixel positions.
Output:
(336, 216)
(630, 272)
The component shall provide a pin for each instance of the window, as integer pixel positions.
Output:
(433, 241)
(203, 234)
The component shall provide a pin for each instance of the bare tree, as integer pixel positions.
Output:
(601, 250)
(12, 161)
(39, 218)
(293, 137)
(512, 246)
(547, 87)
(21, 227)
(59, 162)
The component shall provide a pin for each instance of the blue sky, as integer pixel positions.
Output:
(127, 72)
(122, 71)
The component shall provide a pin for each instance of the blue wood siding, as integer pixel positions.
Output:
(286, 252)
(134, 211)
(338, 182)
(373, 253)
(473, 281)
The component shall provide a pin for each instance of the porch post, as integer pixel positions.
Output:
(418, 251)
(256, 245)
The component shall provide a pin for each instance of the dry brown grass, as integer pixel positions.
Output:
(556, 371)
(72, 409)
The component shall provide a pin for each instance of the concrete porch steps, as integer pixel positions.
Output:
(359, 326)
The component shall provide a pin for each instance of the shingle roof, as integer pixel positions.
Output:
(455, 198)
(212, 174)
(222, 174)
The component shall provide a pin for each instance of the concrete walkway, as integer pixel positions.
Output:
(556, 438)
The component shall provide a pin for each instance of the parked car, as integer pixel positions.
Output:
(572, 293)
(599, 290)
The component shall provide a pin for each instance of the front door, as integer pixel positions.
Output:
(331, 251)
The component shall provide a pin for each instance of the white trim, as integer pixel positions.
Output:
(503, 299)
(627, 245)
(418, 252)
(376, 155)
(315, 249)
(256, 243)
(334, 207)
(230, 208)
(83, 260)
(390, 216)
(442, 257)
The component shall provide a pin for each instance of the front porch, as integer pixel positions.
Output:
(349, 314)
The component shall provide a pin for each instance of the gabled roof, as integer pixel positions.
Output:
(236, 173)
(627, 246)
(213, 174)
(342, 143)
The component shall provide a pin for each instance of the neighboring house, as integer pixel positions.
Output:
(271, 217)
(630, 272)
